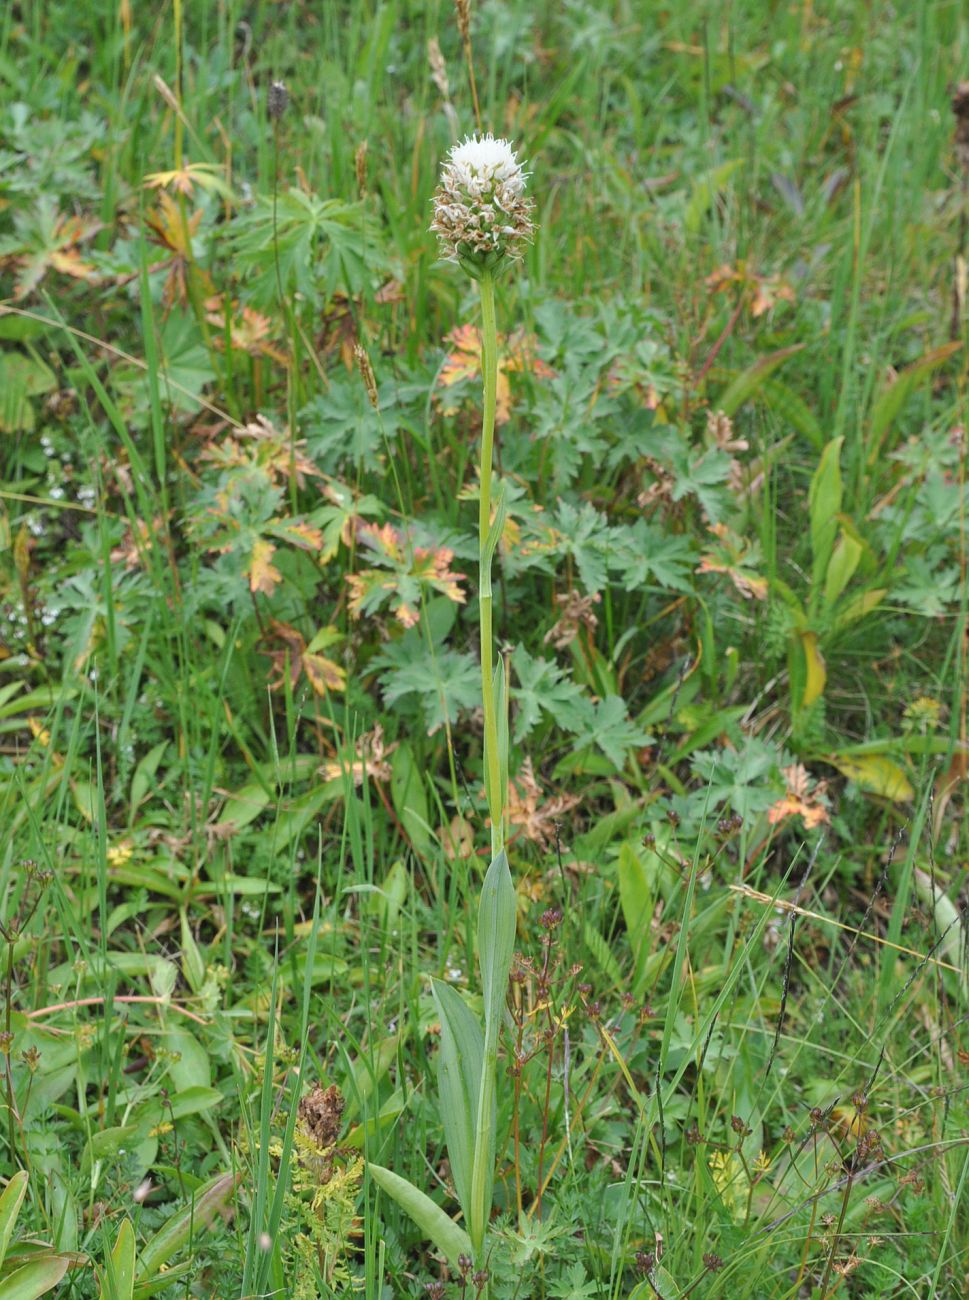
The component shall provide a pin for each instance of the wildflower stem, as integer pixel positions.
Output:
(489, 371)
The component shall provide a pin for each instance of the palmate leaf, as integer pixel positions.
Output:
(647, 555)
(704, 477)
(342, 428)
(585, 537)
(540, 687)
(320, 242)
(606, 726)
(445, 683)
(407, 571)
(47, 239)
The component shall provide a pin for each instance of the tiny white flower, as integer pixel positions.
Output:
(481, 214)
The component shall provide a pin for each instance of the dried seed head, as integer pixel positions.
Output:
(366, 373)
(438, 67)
(481, 215)
(360, 165)
(462, 9)
(277, 101)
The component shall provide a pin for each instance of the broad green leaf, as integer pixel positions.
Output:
(497, 915)
(244, 806)
(143, 780)
(450, 1239)
(386, 899)
(118, 1278)
(890, 400)
(21, 377)
(636, 899)
(459, 1067)
(188, 1062)
(185, 1224)
(246, 885)
(948, 920)
(36, 1278)
(792, 410)
(10, 1203)
(705, 190)
(496, 936)
(410, 798)
(859, 606)
(841, 567)
(661, 1284)
(824, 501)
(193, 963)
(753, 378)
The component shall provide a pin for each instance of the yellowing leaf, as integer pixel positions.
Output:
(263, 574)
(817, 674)
(323, 674)
(875, 772)
(207, 176)
(517, 352)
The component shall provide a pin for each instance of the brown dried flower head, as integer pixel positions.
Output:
(481, 214)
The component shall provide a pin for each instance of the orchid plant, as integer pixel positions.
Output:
(482, 218)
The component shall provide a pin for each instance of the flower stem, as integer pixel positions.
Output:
(489, 372)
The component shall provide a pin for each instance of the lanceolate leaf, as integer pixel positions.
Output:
(36, 1278)
(446, 1235)
(496, 936)
(10, 1203)
(118, 1282)
(186, 1224)
(496, 945)
(459, 1082)
(825, 503)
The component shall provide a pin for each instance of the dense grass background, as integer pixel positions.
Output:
(241, 799)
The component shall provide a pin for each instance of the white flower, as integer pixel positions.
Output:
(481, 214)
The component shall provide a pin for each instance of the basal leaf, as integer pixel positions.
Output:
(459, 1082)
(447, 1236)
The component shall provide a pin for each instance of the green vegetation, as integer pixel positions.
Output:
(248, 983)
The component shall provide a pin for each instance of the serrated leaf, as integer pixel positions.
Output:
(540, 687)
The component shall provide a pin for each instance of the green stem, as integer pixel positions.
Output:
(489, 372)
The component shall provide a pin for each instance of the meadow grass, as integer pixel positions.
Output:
(242, 790)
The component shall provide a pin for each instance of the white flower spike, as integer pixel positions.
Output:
(481, 214)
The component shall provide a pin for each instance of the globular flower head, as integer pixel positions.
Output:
(481, 215)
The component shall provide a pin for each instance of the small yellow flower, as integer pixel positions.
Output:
(119, 855)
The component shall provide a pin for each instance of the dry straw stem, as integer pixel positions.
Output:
(758, 897)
